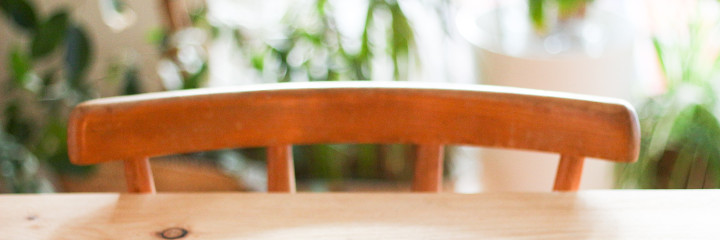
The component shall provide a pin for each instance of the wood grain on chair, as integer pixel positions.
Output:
(133, 128)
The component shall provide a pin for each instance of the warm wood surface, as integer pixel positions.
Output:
(278, 115)
(351, 112)
(138, 175)
(678, 214)
(282, 179)
(569, 173)
(429, 163)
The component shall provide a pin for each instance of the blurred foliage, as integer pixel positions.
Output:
(48, 67)
(544, 14)
(46, 77)
(20, 169)
(316, 49)
(310, 46)
(680, 145)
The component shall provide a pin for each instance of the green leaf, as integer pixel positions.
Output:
(49, 34)
(21, 12)
(368, 161)
(48, 78)
(320, 7)
(53, 148)
(156, 36)
(659, 51)
(537, 15)
(198, 16)
(77, 55)
(18, 168)
(20, 66)
(15, 124)
(132, 82)
(194, 80)
(696, 125)
(401, 39)
(697, 133)
(118, 5)
(258, 61)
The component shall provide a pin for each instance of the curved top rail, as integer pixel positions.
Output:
(164, 123)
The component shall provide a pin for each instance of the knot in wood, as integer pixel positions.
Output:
(173, 233)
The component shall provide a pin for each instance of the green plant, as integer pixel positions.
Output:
(311, 46)
(318, 52)
(318, 49)
(46, 77)
(19, 168)
(543, 13)
(48, 74)
(680, 145)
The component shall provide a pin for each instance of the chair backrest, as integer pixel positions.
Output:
(134, 128)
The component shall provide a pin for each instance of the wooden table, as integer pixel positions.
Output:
(671, 214)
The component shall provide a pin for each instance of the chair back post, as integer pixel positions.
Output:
(428, 168)
(139, 176)
(569, 173)
(280, 169)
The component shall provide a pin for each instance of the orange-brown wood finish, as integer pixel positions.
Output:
(351, 112)
(428, 168)
(139, 176)
(282, 176)
(569, 173)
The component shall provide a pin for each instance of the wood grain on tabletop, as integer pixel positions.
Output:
(147, 125)
(571, 215)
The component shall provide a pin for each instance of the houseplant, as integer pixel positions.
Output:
(308, 43)
(552, 15)
(312, 45)
(680, 128)
(49, 58)
(385, 34)
(46, 76)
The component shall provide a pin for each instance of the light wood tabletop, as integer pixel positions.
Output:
(610, 214)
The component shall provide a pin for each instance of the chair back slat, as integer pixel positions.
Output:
(428, 168)
(281, 170)
(138, 175)
(569, 173)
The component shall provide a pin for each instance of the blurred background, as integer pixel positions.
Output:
(662, 56)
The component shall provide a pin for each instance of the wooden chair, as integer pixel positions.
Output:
(134, 128)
